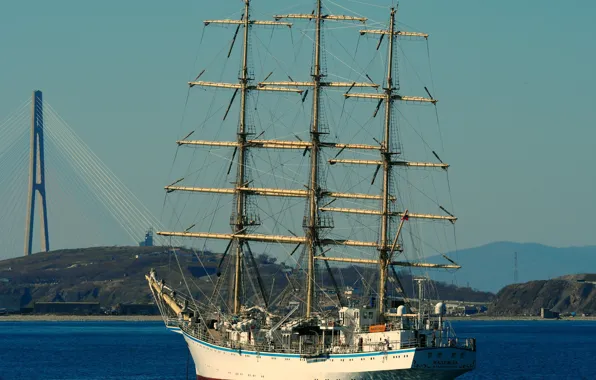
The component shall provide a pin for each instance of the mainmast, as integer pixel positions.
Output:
(312, 223)
(240, 174)
(241, 163)
(313, 196)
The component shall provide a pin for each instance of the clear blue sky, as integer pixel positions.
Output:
(516, 82)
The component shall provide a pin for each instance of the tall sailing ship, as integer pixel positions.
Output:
(312, 328)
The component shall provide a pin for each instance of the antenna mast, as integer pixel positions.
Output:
(515, 273)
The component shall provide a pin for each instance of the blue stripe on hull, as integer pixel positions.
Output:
(407, 374)
(341, 356)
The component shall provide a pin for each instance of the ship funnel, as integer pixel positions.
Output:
(401, 310)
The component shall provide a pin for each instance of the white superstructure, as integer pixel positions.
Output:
(257, 345)
(215, 362)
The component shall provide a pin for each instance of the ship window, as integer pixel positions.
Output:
(430, 354)
(439, 355)
(453, 355)
(462, 355)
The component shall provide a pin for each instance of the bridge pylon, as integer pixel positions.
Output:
(37, 178)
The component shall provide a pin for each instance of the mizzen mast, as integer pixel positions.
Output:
(390, 95)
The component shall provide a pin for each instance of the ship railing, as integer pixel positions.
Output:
(173, 322)
(458, 342)
(314, 350)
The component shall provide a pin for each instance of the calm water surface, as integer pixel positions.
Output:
(146, 350)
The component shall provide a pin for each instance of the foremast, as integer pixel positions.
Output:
(239, 222)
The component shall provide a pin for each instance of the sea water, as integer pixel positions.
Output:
(146, 350)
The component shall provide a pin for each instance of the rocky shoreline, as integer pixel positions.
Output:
(79, 318)
(518, 318)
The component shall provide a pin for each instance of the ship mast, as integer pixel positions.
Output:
(390, 95)
(241, 164)
(386, 158)
(313, 212)
(312, 223)
(240, 236)
(240, 221)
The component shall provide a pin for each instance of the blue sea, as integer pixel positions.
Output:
(146, 350)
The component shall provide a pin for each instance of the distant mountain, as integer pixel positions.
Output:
(490, 267)
(567, 294)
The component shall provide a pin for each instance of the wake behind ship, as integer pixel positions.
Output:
(313, 329)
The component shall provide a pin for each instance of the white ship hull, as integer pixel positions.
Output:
(220, 363)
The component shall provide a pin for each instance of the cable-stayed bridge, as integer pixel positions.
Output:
(48, 172)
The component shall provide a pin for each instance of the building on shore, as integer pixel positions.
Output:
(548, 314)
(148, 242)
(10, 303)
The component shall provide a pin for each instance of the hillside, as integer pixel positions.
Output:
(535, 262)
(109, 275)
(575, 293)
(112, 275)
